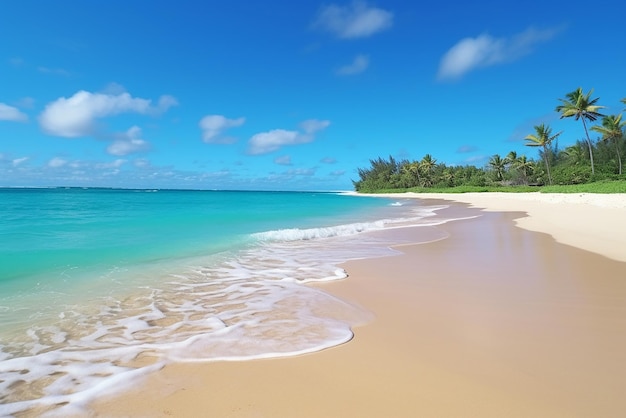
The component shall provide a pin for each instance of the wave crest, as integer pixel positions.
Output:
(417, 217)
(298, 234)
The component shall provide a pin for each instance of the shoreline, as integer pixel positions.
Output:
(518, 325)
(568, 217)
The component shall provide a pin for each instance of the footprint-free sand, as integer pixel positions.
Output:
(520, 312)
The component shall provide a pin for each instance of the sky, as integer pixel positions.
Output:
(278, 95)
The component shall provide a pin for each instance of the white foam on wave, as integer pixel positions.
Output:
(297, 234)
(417, 216)
(227, 307)
(252, 306)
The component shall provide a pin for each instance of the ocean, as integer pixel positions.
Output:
(99, 287)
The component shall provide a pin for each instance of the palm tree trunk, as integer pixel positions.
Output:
(545, 158)
(619, 158)
(589, 145)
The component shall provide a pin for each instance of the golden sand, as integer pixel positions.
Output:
(495, 321)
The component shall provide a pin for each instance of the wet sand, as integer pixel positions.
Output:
(493, 321)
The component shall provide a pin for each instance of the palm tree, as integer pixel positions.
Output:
(511, 158)
(581, 106)
(575, 153)
(624, 101)
(542, 138)
(498, 165)
(448, 177)
(412, 171)
(426, 165)
(524, 166)
(611, 130)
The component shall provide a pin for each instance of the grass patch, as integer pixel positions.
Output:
(596, 187)
(605, 186)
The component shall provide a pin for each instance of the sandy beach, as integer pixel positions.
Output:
(592, 222)
(520, 312)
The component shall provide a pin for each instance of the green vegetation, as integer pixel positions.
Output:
(612, 129)
(543, 139)
(596, 187)
(588, 166)
(610, 186)
(581, 106)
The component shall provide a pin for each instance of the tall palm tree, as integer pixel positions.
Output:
(498, 165)
(581, 106)
(542, 138)
(612, 130)
(624, 101)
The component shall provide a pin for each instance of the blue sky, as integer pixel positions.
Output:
(287, 95)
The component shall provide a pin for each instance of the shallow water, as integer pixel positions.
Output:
(101, 287)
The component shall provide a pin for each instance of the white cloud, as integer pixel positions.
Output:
(356, 20)
(212, 127)
(360, 64)
(75, 116)
(271, 141)
(328, 160)
(483, 51)
(291, 174)
(266, 142)
(18, 161)
(113, 164)
(311, 126)
(11, 113)
(301, 172)
(128, 143)
(142, 163)
(165, 102)
(56, 162)
(284, 160)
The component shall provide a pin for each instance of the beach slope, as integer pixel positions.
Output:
(493, 321)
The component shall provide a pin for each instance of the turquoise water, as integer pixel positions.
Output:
(92, 280)
(52, 231)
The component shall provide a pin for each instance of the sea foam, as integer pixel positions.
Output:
(225, 307)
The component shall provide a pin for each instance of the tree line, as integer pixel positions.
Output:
(585, 161)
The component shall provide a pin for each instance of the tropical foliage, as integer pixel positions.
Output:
(581, 106)
(543, 138)
(585, 161)
(612, 130)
